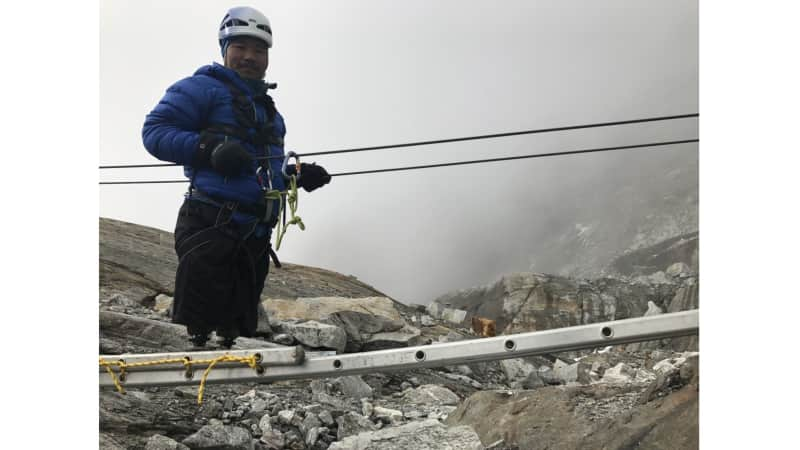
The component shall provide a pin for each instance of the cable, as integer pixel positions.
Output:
(443, 141)
(509, 158)
(461, 163)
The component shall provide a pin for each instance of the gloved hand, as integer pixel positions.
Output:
(231, 159)
(312, 176)
(202, 156)
(226, 157)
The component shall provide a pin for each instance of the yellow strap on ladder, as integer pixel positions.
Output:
(251, 361)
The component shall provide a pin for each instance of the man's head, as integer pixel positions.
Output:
(245, 37)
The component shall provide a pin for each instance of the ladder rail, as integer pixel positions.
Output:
(435, 355)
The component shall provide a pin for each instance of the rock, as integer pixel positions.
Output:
(359, 318)
(310, 422)
(313, 435)
(273, 439)
(455, 316)
(316, 335)
(326, 418)
(678, 269)
(624, 374)
(523, 302)
(366, 408)
(407, 336)
(263, 327)
(427, 321)
(317, 308)
(338, 404)
(652, 310)
(159, 442)
(434, 309)
(423, 435)
(533, 381)
(140, 335)
(220, 437)
(286, 416)
(431, 394)
(265, 423)
(319, 387)
(548, 376)
(294, 440)
(388, 415)
(283, 339)
(353, 423)
(516, 371)
(568, 373)
(665, 423)
(163, 304)
(361, 326)
(452, 336)
(539, 419)
(352, 386)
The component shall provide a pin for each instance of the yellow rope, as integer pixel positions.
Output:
(251, 361)
(292, 201)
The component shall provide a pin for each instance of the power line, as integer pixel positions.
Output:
(461, 163)
(443, 141)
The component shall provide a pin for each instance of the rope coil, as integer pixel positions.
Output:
(251, 361)
(292, 200)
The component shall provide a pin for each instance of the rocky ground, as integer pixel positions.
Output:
(635, 396)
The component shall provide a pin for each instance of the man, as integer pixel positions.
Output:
(221, 125)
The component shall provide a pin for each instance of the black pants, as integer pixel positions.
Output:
(222, 268)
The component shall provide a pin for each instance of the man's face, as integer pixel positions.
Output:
(249, 57)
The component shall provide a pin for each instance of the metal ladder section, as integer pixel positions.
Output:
(292, 363)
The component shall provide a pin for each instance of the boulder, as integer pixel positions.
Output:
(422, 435)
(387, 415)
(679, 269)
(454, 316)
(132, 334)
(652, 310)
(407, 336)
(315, 334)
(163, 304)
(159, 442)
(220, 437)
(353, 423)
(318, 308)
(431, 394)
(516, 371)
(352, 386)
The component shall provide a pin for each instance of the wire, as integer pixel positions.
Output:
(509, 158)
(461, 163)
(443, 141)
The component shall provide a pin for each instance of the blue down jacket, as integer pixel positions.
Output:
(172, 130)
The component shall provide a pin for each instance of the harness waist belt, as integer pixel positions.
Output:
(258, 210)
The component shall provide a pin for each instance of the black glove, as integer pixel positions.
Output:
(202, 156)
(231, 159)
(228, 158)
(312, 176)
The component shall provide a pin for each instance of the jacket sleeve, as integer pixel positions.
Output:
(172, 130)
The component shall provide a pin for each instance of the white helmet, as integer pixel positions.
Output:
(245, 21)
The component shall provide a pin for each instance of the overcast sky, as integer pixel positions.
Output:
(362, 73)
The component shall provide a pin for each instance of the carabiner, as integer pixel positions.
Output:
(290, 154)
